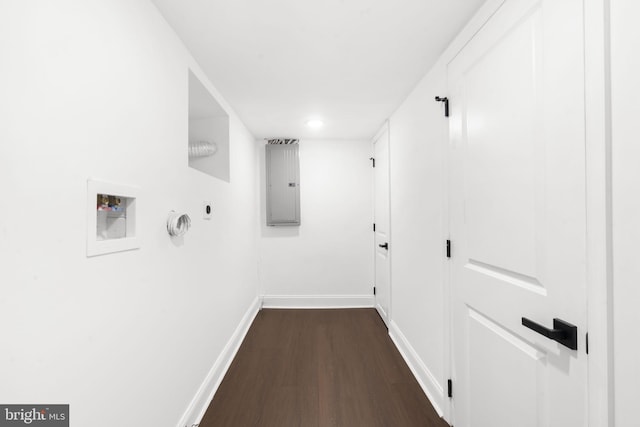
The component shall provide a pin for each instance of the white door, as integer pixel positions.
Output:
(382, 246)
(518, 217)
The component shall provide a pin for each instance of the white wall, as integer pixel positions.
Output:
(625, 103)
(99, 89)
(330, 255)
(418, 134)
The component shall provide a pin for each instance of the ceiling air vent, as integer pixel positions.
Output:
(283, 141)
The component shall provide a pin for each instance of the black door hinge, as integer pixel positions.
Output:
(448, 248)
(446, 104)
(587, 343)
(449, 388)
(374, 226)
(374, 290)
(373, 161)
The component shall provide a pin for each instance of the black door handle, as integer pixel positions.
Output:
(385, 246)
(562, 332)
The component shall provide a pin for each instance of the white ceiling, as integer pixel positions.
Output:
(351, 63)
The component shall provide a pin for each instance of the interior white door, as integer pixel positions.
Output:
(518, 217)
(381, 220)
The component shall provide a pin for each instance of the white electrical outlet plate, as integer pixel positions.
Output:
(207, 210)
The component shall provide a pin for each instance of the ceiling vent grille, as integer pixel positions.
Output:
(282, 141)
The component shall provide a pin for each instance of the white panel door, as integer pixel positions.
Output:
(381, 219)
(518, 217)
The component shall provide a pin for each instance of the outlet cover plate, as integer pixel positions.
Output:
(207, 209)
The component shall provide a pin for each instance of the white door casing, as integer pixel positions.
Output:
(381, 220)
(517, 150)
(625, 104)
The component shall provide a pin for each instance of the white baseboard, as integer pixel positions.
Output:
(317, 301)
(429, 383)
(198, 406)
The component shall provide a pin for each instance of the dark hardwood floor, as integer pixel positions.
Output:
(319, 368)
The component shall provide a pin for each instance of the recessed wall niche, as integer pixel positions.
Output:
(208, 132)
(111, 218)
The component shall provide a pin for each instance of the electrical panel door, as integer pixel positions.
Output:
(283, 184)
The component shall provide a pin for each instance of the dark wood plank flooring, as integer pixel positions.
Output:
(319, 368)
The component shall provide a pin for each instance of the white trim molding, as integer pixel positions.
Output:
(598, 134)
(428, 382)
(317, 301)
(201, 401)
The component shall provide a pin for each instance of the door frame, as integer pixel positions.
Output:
(386, 127)
(598, 209)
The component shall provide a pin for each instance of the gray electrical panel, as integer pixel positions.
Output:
(283, 184)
